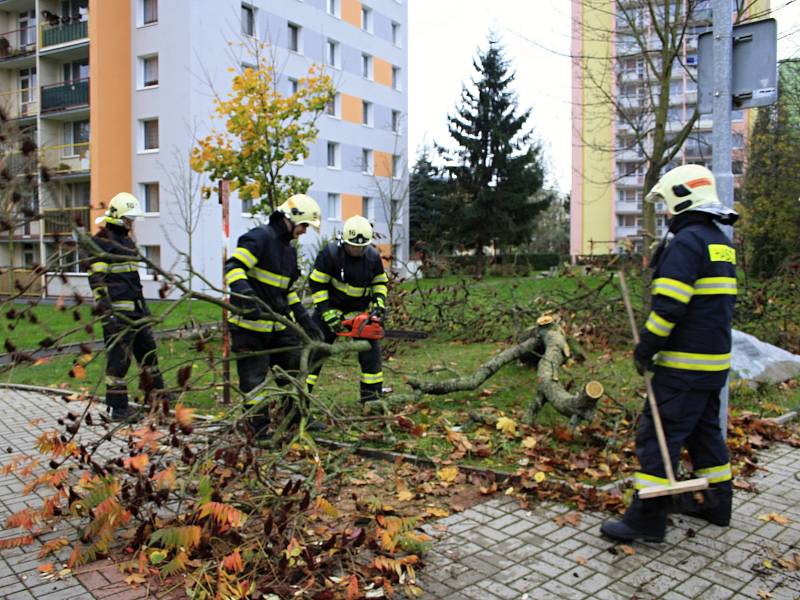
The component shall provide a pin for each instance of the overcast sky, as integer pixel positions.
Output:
(443, 37)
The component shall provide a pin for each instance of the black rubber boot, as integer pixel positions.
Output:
(716, 504)
(127, 414)
(370, 392)
(259, 425)
(645, 520)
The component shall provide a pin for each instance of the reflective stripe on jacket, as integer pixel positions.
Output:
(688, 331)
(348, 283)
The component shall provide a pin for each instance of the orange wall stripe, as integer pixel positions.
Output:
(351, 205)
(383, 163)
(352, 108)
(110, 138)
(351, 12)
(382, 71)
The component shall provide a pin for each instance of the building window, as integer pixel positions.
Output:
(366, 19)
(737, 167)
(368, 208)
(366, 66)
(294, 38)
(366, 113)
(29, 253)
(396, 207)
(333, 7)
(396, 78)
(366, 161)
(149, 71)
(334, 207)
(332, 108)
(27, 90)
(77, 194)
(149, 12)
(153, 254)
(737, 140)
(151, 193)
(76, 139)
(294, 86)
(396, 166)
(248, 20)
(395, 121)
(333, 155)
(150, 134)
(332, 53)
(396, 34)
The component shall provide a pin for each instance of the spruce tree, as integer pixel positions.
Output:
(429, 207)
(496, 168)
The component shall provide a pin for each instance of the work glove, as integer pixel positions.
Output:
(252, 310)
(642, 364)
(333, 319)
(311, 328)
(378, 313)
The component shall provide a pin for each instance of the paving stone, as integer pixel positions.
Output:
(717, 592)
(512, 573)
(693, 587)
(616, 591)
(499, 590)
(518, 527)
(576, 574)
(503, 522)
(564, 592)
(461, 526)
(531, 581)
(593, 583)
(21, 595)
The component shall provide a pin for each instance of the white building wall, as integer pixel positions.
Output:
(192, 39)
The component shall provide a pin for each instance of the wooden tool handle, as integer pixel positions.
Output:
(651, 397)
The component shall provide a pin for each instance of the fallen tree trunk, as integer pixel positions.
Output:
(544, 346)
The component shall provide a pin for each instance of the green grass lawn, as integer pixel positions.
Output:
(48, 320)
(508, 393)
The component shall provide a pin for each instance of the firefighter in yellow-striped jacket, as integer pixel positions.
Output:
(260, 274)
(348, 278)
(686, 343)
(119, 300)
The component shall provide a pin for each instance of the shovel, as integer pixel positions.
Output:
(674, 487)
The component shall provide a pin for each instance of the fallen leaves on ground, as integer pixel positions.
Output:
(775, 517)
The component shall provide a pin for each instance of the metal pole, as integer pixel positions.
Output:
(721, 132)
(224, 193)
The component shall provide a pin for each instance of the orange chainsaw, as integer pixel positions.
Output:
(365, 327)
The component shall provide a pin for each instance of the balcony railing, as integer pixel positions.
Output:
(66, 159)
(20, 104)
(61, 221)
(64, 33)
(63, 96)
(20, 281)
(16, 43)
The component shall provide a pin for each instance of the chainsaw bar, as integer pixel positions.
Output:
(405, 334)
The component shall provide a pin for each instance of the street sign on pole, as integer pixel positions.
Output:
(754, 78)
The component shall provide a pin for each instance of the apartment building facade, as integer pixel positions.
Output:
(115, 93)
(609, 76)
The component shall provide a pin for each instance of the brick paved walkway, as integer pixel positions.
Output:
(496, 550)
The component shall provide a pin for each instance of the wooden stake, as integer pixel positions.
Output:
(690, 485)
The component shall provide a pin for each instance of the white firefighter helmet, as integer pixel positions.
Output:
(122, 205)
(357, 231)
(691, 188)
(301, 209)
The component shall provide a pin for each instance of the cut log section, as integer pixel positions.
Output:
(545, 347)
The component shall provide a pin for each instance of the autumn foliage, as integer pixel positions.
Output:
(264, 131)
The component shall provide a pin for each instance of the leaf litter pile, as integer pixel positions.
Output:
(180, 503)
